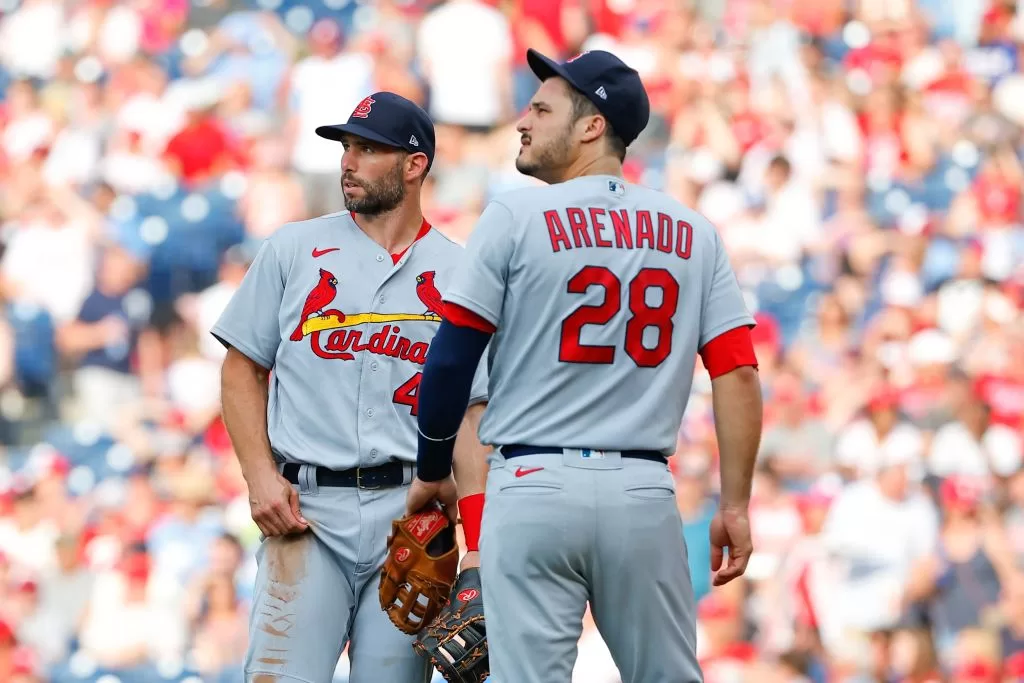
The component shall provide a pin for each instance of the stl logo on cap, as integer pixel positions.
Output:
(362, 110)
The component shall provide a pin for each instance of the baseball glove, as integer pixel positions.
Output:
(456, 642)
(419, 569)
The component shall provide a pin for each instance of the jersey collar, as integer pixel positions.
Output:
(424, 229)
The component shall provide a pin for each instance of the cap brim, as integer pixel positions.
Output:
(545, 67)
(335, 133)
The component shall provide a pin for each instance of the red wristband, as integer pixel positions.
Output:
(471, 508)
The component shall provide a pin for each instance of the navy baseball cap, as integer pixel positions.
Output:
(389, 119)
(614, 88)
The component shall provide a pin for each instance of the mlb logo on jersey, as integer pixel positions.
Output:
(616, 187)
(590, 454)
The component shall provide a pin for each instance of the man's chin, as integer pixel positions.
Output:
(526, 167)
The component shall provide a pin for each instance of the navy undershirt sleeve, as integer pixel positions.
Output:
(443, 397)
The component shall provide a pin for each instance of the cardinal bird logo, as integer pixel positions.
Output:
(426, 290)
(318, 299)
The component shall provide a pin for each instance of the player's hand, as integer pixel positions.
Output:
(730, 528)
(423, 493)
(275, 505)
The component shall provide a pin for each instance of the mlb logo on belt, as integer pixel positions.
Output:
(591, 454)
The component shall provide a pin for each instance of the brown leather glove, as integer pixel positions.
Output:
(422, 559)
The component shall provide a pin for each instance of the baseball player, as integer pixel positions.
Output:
(595, 296)
(327, 337)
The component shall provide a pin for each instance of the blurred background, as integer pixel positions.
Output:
(861, 158)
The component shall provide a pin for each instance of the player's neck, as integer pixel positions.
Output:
(394, 230)
(602, 165)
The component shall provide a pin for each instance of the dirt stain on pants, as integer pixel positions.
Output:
(285, 558)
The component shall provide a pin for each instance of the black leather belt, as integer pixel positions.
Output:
(515, 450)
(382, 476)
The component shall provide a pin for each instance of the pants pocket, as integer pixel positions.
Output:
(651, 492)
(529, 489)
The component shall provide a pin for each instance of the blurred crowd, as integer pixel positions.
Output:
(862, 160)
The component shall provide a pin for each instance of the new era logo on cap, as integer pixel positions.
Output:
(602, 93)
(414, 142)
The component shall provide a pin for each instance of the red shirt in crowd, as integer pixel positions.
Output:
(200, 150)
(1005, 395)
(998, 199)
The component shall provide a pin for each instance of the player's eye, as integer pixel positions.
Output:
(367, 149)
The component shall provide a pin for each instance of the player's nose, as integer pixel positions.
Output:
(523, 125)
(348, 163)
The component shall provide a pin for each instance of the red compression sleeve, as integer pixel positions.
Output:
(463, 317)
(471, 508)
(728, 351)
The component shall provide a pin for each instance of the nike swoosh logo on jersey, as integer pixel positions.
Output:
(317, 253)
(523, 471)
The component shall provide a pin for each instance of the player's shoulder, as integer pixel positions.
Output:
(437, 245)
(521, 200)
(300, 232)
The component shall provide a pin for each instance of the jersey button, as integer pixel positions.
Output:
(373, 365)
(380, 257)
(383, 299)
(373, 453)
(369, 412)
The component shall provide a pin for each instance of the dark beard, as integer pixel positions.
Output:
(551, 157)
(380, 198)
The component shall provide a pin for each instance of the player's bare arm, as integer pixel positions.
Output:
(273, 501)
(469, 468)
(736, 399)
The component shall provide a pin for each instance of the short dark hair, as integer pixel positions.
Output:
(582, 106)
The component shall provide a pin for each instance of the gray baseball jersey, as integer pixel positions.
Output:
(345, 330)
(602, 293)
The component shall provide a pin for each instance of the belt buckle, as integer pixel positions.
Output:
(359, 481)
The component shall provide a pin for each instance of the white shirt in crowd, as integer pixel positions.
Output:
(24, 135)
(74, 158)
(858, 447)
(113, 625)
(464, 46)
(193, 384)
(32, 39)
(156, 118)
(210, 303)
(350, 79)
(877, 540)
(955, 450)
(50, 267)
(32, 548)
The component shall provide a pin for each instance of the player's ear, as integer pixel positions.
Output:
(415, 166)
(592, 128)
